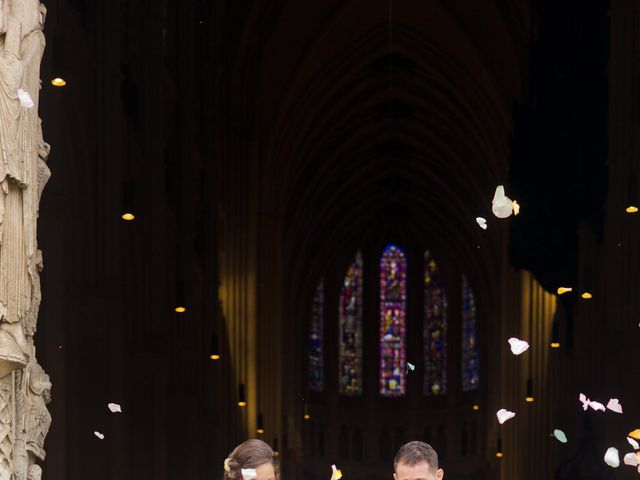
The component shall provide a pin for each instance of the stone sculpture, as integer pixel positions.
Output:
(24, 386)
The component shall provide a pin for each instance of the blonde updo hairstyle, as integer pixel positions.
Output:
(250, 454)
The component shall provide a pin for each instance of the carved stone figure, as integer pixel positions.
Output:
(37, 392)
(24, 386)
(35, 472)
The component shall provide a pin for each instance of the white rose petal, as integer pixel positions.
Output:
(482, 222)
(633, 443)
(114, 407)
(518, 346)
(614, 405)
(501, 206)
(631, 459)
(249, 473)
(25, 98)
(612, 458)
(585, 401)
(99, 435)
(503, 415)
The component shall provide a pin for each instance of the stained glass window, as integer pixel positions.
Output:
(470, 361)
(316, 340)
(350, 319)
(435, 329)
(393, 302)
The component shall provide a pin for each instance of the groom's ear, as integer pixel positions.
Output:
(439, 474)
(395, 477)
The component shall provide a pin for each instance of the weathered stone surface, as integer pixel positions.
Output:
(24, 386)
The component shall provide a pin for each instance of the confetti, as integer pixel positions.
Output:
(482, 222)
(516, 207)
(504, 415)
(336, 474)
(99, 435)
(586, 403)
(410, 366)
(635, 434)
(633, 443)
(25, 98)
(518, 346)
(612, 458)
(249, 473)
(614, 405)
(631, 459)
(559, 434)
(501, 205)
(114, 407)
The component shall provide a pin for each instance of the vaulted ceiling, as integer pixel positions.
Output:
(367, 111)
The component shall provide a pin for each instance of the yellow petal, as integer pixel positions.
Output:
(337, 474)
(635, 434)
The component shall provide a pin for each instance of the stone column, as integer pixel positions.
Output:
(24, 386)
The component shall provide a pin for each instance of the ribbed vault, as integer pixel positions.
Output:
(360, 118)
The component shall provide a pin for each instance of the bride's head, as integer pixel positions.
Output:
(256, 458)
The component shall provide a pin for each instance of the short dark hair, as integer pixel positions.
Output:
(415, 452)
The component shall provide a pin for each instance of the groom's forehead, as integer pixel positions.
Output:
(418, 466)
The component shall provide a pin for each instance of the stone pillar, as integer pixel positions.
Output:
(24, 386)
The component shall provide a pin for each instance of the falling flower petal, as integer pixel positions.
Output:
(635, 434)
(518, 346)
(559, 434)
(612, 458)
(633, 443)
(99, 435)
(614, 405)
(516, 207)
(585, 401)
(630, 459)
(501, 206)
(336, 474)
(114, 407)
(504, 415)
(25, 98)
(249, 473)
(482, 222)
(410, 366)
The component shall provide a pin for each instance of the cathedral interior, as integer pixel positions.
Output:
(261, 222)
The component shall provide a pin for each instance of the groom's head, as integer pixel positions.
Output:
(416, 461)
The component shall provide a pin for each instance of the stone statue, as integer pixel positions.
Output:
(24, 386)
(35, 472)
(37, 391)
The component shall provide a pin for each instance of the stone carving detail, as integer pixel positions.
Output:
(24, 386)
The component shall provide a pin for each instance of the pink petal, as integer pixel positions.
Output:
(504, 415)
(614, 405)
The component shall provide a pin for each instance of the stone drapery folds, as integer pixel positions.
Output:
(24, 386)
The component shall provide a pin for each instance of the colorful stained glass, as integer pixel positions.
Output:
(350, 340)
(393, 312)
(435, 329)
(316, 340)
(470, 360)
